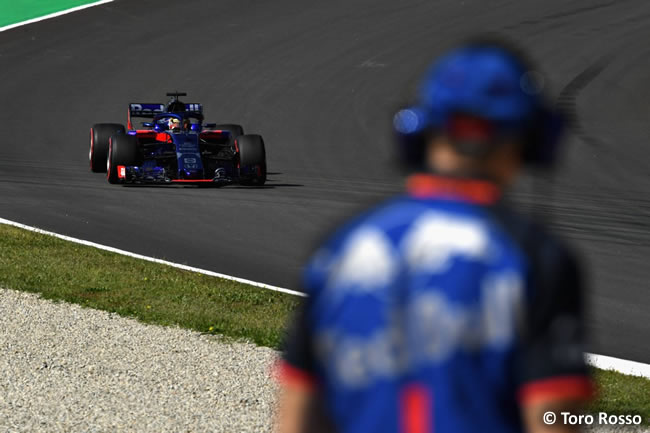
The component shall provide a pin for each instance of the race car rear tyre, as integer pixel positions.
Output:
(252, 159)
(100, 133)
(235, 130)
(122, 150)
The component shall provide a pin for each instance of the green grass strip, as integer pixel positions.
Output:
(160, 294)
(621, 394)
(150, 292)
(23, 10)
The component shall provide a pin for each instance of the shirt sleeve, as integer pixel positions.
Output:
(298, 362)
(296, 366)
(550, 361)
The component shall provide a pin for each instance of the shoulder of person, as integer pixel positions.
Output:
(548, 251)
(367, 235)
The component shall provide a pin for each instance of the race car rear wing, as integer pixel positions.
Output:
(145, 110)
(150, 110)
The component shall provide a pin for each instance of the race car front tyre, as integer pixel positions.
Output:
(122, 150)
(252, 160)
(100, 133)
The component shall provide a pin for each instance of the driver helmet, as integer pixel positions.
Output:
(174, 123)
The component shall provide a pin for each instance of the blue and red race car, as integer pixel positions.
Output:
(175, 146)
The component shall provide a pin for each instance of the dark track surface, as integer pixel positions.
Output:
(320, 83)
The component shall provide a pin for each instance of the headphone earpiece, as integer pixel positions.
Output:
(542, 141)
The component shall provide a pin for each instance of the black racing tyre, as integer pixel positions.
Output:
(252, 159)
(235, 130)
(123, 149)
(100, 133)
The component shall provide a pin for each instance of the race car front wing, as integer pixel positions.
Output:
(131, 174)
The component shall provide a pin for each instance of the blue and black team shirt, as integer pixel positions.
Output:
(439, 311)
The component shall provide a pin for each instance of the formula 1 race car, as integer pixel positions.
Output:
(175, 146)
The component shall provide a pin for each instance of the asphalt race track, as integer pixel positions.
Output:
(319, 82)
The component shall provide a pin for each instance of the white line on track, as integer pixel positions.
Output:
(621, 365)
(150, 259)
(53, 15)
(600, 361)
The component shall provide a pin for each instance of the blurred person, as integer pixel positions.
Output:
(442, 310)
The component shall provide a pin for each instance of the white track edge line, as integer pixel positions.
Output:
(600, 361)
(53, 15)
(624, 366)
(150, 259)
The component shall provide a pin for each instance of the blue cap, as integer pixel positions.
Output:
(482, 81)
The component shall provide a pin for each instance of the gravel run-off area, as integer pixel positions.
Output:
(64, 368)
(72, 369)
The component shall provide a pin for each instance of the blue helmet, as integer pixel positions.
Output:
(482, 90)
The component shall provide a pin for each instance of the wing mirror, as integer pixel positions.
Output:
(209, 125)
(147, 124)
